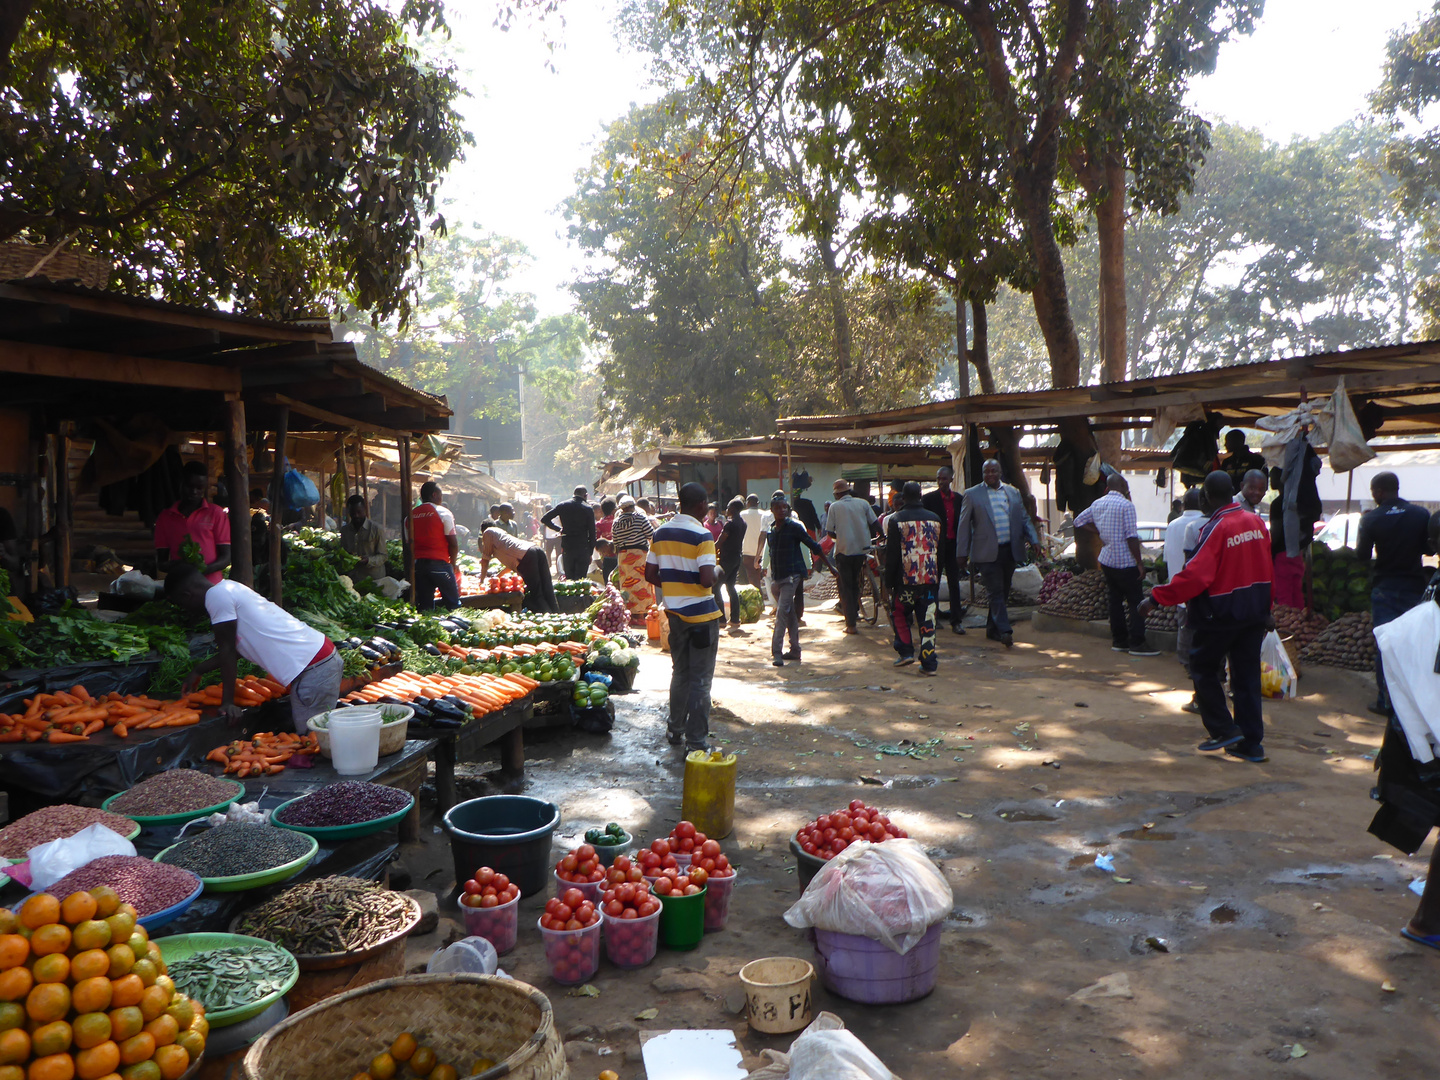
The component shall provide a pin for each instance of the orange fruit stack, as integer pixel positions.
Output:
(84, 994)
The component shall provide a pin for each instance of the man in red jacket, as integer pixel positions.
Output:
(1226, 587)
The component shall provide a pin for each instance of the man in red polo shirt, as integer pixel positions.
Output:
(436, 549)
(195, 518)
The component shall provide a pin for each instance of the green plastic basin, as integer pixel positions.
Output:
(340, 832)
(241, 882)
(182, 946)
(180, 818)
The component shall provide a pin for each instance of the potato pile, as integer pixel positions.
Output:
(1082, 597)
(1163, 618)
(1301, 626)
(1348, 642)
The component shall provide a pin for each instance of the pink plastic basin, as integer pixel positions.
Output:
(717, 902)
(632, 943)
(497, 925)
(863, 970)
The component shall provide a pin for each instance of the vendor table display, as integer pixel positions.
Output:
(331, 915)
(175, 794)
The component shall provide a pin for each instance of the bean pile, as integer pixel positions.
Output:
(55, 823)
(329, 915)
(148, 885)
(237, 848)
(174, 792)
(231, 978)
(349, 802)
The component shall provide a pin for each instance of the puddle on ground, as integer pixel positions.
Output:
(1147, 834)
(1026, 815)
(1079, 862)
(1224, 914)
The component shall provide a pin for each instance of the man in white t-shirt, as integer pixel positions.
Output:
(752, 546)
(248, 625)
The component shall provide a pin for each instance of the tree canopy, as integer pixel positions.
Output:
(278, 157)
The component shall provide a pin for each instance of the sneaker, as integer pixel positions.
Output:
(790, 656)
(1256, 755)
(1144, 650)
(1222, 744)
(931, 671)
(1008, 640)
(674, 738)
(1119, 648)
(777, 662)
(904, 661)
(1191, 706)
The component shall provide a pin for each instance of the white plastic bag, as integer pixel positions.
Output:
(134, 583)
(1277, 673)
(471, 955)
(823, 1051)
(1027, 583)
(51, 861)
(891, 893)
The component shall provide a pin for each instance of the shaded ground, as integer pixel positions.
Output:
(1253, 936)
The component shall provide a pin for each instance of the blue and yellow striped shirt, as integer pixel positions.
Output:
(680, 548)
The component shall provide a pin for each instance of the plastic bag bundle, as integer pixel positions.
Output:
(471, 955)
(823, 1051)
(890, 892)
(52, 861)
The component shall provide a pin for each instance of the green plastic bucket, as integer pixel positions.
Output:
(682, 920)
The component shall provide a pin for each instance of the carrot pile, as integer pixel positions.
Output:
(263, 755)
(486, 693)
(74, 715)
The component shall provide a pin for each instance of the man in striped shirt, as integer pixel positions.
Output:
(681, 564)
(1122, 561)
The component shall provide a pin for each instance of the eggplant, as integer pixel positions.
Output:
(370, 654)
(432, 649)
(422, 710)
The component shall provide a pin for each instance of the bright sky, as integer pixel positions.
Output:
(1308, 67)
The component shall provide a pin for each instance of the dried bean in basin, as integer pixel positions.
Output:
(349, 802)
(149, 885)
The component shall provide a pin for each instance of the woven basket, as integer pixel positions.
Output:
(17, 260)
(461, 1017)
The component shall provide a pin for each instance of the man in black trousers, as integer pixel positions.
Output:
(577, 533)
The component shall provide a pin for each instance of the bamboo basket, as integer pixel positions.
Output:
(461, 1017)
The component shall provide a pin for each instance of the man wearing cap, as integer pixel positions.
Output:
(851, 522)
(577, 533)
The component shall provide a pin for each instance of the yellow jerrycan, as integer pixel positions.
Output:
(709, 798)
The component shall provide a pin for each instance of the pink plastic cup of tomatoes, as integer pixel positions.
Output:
(490, 905)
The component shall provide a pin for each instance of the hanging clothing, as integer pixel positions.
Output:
(1196, 451)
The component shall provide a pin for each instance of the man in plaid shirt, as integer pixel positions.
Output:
(1112, 516)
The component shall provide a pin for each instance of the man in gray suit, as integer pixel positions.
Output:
(993, 530)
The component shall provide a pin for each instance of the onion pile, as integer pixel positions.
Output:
(1053, 581)
(613, 617)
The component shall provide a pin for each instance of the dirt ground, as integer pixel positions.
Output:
(1249, 929)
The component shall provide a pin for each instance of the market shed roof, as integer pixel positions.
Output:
(80, 352)
(1402, 380)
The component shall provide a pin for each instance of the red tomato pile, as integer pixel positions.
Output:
(569, 911)
(506, 582)
(656, 859)
(630, 900)
(712, 860)
(623, 869)
(830, 834)
(582, 864)
(684, 839)
(676, 882)
(488, 889)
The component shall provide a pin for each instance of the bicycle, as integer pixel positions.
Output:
(873, 597)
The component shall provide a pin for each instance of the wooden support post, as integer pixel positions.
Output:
(407, 503)
(63, 519)
(237, 479)
(360, 456)
(277, 500)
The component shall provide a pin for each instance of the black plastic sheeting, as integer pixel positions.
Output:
(99, 677)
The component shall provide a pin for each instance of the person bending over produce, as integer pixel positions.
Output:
(524, 558)
(248, 625)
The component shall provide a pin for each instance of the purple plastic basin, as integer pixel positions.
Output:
(863, 970)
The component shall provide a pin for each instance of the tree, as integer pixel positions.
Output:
(276, 157)
(1411, 84)
(471, 333)
(711, 327)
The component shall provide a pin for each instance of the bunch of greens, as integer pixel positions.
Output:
(5, 583)
(74, 635)
(355, 663)
(169, 678)
(190, 552)
(427, 630)
(13, 651)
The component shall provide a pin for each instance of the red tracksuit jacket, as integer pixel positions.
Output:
(1227, 581)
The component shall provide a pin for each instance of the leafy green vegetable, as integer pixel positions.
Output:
(190, 552)
(5, 583)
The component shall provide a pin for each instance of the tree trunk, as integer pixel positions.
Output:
(1002, 436)
(1110, 227)
(13, 14)
(844, 341)
(962, 366)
